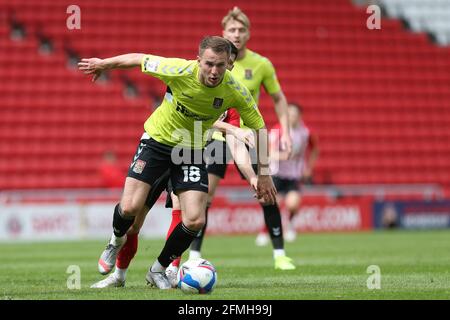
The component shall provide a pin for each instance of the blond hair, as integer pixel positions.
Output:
(238, 15)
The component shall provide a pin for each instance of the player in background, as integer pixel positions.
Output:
(254, 71)
(128, 250)
(109, 171)
(289, 171)
(202, 90)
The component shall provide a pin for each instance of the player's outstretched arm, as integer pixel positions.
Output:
(266, 189)
(96, 66)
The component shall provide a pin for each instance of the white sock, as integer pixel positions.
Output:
(291, 226)
(278, 253)
(194, 254)
(120, 274)
(118, 241)
(157, 267)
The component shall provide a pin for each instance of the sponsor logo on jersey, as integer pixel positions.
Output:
(139, 166)
(248, 74)
(151, 65)
(181, 108)
(218, 102)
(187, 96)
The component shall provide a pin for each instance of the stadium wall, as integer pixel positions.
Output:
(92, 220)
(412, 214)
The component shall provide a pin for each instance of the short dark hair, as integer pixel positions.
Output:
(217, 44)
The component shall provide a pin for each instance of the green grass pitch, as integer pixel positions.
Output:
(413, 265)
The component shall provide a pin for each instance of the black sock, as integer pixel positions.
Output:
(272, 217)
(178, 241)
(121, 224)
(198, 240)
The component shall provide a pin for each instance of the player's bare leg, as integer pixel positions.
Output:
(193, 204)
(132, 203)
(292, 204)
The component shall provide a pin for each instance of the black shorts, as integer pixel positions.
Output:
(219, 168)
(158, 187)
(216, 163)
(286, 185)
(187, 169)
(169, 189)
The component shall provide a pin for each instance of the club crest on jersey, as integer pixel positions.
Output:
(218, 102)
(248, 74)
(139, 166)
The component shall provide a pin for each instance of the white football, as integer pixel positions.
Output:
(197, 276)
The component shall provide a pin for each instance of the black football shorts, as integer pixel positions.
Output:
(153, 160)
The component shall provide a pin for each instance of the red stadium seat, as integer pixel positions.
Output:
(378, 100)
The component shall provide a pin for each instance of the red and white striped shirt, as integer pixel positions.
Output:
(301, 140)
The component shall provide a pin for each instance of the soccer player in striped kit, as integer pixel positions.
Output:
(289, 171)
